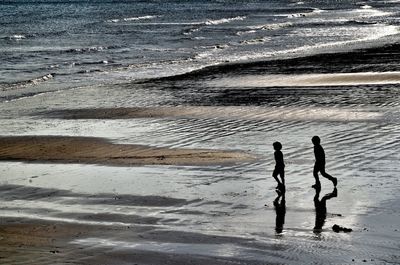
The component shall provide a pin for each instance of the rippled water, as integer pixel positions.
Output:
(72, 43)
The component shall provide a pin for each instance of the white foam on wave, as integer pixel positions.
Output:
(17, 37)
(131, 19)
(268, 27)
(317, 11)
(224, 20)
(88, 49)
(190, 31)
(366, 7)
(26, 83)
(303, 14)
(240, 33)
(272, 26)
(377, 31)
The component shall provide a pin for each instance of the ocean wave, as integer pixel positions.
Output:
(380, 31)
(16, 37)
(209, 23)
(272, 26)
(255, 41)
(240, 33)
(217, 54)
(90, 49)
(335, 22)
(310, 53)
(313, 11)
(210, 50)
(318, 11)
(87, 71)
(116, 20)
(41, 79)
(190, 31)
(224, 20)
(19, 36)
(29, 82)
(366, 7)
(91, 63)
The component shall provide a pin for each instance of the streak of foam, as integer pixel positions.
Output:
(115, 20)
(224, 20)
(17, 37)
(33, 81)
(272, 26)
(376, 32)
(303, 14)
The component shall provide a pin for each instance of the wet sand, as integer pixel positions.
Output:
(100, 151)
(104, 192)
(40, 242)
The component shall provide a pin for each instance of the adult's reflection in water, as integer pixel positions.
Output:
(280, 209)
(320, 208)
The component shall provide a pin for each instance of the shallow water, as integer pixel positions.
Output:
(230, 200)
(51, 45)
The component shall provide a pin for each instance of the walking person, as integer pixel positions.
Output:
(279, 166)
(320, 163)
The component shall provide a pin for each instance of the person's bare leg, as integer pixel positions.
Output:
(326, 175)
(275, 175)
(317, 182)
(283, 180)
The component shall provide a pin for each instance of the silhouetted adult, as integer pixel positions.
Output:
(320, 163)
(320, 208)
(280, 209)
(279, 166)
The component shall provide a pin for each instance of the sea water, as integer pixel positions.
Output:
(74, 43)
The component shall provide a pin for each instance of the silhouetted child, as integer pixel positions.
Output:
(279, 166)
(320, 163)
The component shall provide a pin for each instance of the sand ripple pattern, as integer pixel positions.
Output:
(222, 212)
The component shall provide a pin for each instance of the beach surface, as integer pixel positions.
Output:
(185, 178)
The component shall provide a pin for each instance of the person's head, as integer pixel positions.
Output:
(277, 146)
(316, 140)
